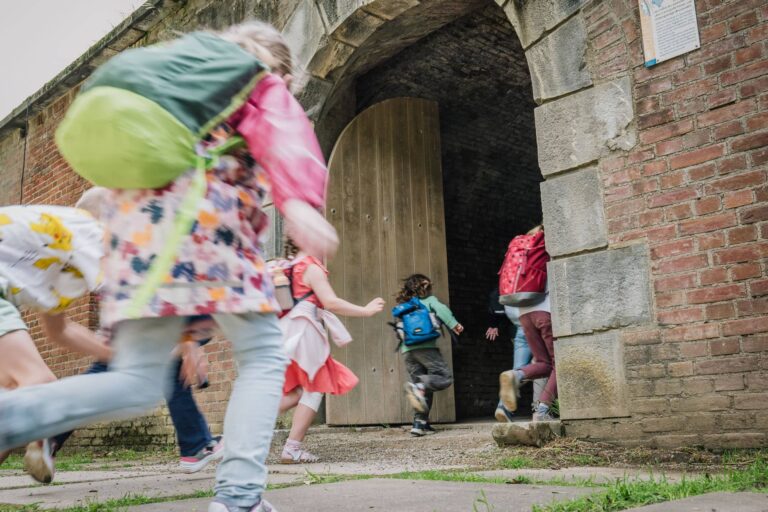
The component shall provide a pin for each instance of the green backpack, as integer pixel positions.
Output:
(138, 119)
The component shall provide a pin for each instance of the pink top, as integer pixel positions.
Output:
(299, 288)
(220, 266)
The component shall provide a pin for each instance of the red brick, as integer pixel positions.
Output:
(668, 147)
(672, 197)
(647, 105)
(687, 74)
(674, 248)
(730, 129)
(713, 276)
(726, 113)
(710, 223)
(706, 205)
(661, 117)
(745, 326)
(750, 401)
(691, 333)
(754, 87)
(718, 65)
(696, 139)
(653, 168)
(759, 157)
(752, 307)
(757, 122)
(754, 214)
(742, 234)
(737, 254)
(698, 386)
(697, 156)
(752, 141)
(667, 131)
(639, 156)
(711, 241)
(716, 294)
(726, 365)
(692, 106)
(673, 179)
(701, 172)
(749, 54)
(726, 10)
(755, 344)
(679, 211)
(681, 316)
(709, 34)
(675, 282)
(682, 264)
(670, 299)
(731, 164)
(644, 186)
(721, 98)
(724, 347)
(746, 20)
(739, 181)
(681, 369)
(745, 271)
(651, 88)
(744, 73)
(650, 218)
(738, 198)
(719, 311)
(732, 382)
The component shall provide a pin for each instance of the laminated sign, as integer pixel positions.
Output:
(669, 29)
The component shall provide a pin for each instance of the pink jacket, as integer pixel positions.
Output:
(305, 336)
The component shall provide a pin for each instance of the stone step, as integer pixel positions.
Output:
(526, 433)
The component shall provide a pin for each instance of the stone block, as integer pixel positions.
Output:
(580, 128)
(329, 58)
(390, 9)
(313, 95)
(526, 433)
(601, 290)
(336, 12)
(532, 19)
(305, 32)
(574, 217)
(558, 63)
(357, 28)
(590, 377)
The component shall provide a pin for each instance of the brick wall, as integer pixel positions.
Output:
(695, 189)
(476, 71)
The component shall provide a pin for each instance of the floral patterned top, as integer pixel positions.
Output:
(220, 266)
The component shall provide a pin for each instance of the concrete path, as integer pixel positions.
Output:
(397, 495)
(714, 502)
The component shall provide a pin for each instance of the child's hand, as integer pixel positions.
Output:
(309, 229)
(375, 306)
(491, 334)
(458, 329)
(194, 364)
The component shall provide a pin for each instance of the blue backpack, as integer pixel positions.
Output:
(418, 324)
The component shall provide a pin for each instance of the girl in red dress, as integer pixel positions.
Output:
(312, 371)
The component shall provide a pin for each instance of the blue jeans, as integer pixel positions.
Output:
(139, 371)
(522, 352)
(192, 431)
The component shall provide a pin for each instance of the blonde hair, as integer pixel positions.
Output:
(264, 42)
(92, 201)
(535, 229)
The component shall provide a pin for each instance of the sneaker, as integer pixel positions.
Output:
(198, 461)
(419, 428)
(541, 417)
(38, 462)
(428, 430)
(415, 395)
(221, 505)
(509, 390)
(503, 415)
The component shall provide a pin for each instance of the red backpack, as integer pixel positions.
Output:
(523, 275)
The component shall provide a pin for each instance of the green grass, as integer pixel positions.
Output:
(63, 462)
(626, 494)
(518, 462)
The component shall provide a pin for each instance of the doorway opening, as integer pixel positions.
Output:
(476, 71)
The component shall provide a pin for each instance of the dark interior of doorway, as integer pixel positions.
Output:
(476, 70)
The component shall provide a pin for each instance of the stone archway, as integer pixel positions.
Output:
(579, 121)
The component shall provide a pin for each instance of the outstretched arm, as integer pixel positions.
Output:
(74, 336)
(316, 279)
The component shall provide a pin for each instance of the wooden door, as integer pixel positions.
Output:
(385, 199)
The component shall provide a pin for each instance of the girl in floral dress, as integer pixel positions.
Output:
(219, 270)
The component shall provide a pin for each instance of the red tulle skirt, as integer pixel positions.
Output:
(333, 377)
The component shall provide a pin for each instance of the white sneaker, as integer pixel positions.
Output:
(219, 506)
(38, 462)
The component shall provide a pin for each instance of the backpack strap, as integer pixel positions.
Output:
(182, 226)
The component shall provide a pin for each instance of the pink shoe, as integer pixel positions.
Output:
(198, 461)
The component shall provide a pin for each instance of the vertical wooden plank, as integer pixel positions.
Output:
(445, 405)
(370, 370)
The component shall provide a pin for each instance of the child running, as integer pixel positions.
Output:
(49, 256)
(312, 370)
(426, 367)
(219, 270)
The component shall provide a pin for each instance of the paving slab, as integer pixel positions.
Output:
(713, 502)
(598, 475)
(21, 479)
(400, 495)
(155, 486)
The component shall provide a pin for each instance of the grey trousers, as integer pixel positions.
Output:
(427, 366)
